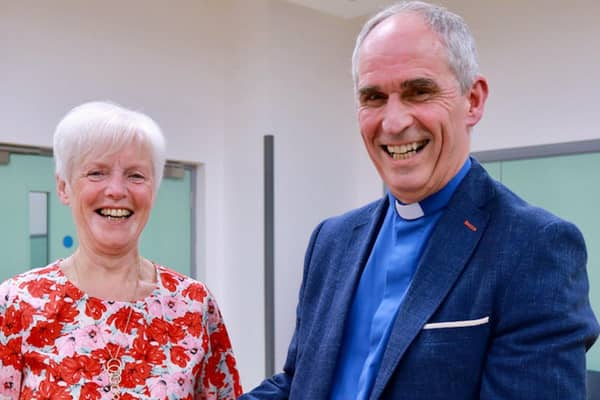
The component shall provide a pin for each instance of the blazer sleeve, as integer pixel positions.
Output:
(544, 323)
(279, 386)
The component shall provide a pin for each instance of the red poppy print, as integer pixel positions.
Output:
(195, 292)
(124, 319)
(39, 287)
(71, 370)
(59, 310)
(72, 293)
(12, 321)
(44, 333)
(214, 376)
(158, 331)
(26, 310)
(192, 322)
(10, 353)
(35, 361)
(146, 352)
(94, 308)
(134, 374)
(90, 391)
(169, 281)
(55, 341)
(90, 367)
(52, 391)
(179, 356)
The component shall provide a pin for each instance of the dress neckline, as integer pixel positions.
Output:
(158, 286)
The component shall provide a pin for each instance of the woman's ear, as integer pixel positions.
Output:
(476, 97)
(62, 188)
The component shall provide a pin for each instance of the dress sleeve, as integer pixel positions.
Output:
(219, 376)
(11, 327)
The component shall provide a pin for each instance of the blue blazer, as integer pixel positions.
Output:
(498, 307)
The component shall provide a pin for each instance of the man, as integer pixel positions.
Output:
(451, 287)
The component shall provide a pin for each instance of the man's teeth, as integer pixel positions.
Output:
(405, 151)
(115, 212)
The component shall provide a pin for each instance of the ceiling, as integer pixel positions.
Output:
(345, 8)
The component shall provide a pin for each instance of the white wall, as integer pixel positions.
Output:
(217, 75)
(542, 63)
(319, 158)
(288, 75)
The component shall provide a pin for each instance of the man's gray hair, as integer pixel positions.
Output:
(451, 29)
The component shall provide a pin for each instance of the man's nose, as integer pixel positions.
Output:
(397, 116)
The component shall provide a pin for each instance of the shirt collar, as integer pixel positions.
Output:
(433, 203)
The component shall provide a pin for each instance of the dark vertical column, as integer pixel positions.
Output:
(269, 256)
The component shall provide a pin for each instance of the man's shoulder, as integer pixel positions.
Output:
(510, 206)
(357, 216)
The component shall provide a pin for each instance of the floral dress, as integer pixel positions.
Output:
(55, 341)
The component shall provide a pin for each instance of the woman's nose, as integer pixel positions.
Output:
(116, 187)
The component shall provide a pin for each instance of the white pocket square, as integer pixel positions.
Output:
(457, 324)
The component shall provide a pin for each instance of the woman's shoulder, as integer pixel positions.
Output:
(169, 274)
(176, 282)
(49, 271)
(31, 281)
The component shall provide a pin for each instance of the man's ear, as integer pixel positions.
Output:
(62, 188)
(476, 98)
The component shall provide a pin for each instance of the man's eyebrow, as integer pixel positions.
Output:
(419, 82)
(404, 85)
(368, 90)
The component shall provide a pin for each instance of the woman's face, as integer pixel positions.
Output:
(111, 196)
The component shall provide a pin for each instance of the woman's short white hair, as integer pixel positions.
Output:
(450, 28)
(107, 127)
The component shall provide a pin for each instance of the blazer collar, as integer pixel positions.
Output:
(359, 233)
(450, 247)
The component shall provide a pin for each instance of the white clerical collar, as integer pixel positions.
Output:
(409, 211)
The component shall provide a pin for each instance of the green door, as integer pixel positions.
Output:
(567, 186)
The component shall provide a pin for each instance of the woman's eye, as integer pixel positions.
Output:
(95, 175)
(137, 177)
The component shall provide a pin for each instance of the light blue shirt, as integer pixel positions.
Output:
(382, 286)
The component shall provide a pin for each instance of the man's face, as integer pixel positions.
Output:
(414, 120)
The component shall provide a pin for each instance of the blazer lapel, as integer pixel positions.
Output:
(360, 239)
(448, 250)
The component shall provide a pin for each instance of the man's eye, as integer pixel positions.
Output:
(372, 99)
(418, 94)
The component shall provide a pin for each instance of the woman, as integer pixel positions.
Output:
(106, 323)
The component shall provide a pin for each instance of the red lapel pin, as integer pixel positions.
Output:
(469, 225)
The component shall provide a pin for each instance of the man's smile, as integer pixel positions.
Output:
(405, 151)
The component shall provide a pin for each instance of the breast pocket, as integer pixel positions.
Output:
(471, 330)
(458, 346)
(447, 353)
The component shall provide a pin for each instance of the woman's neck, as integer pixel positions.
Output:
(121, 278)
